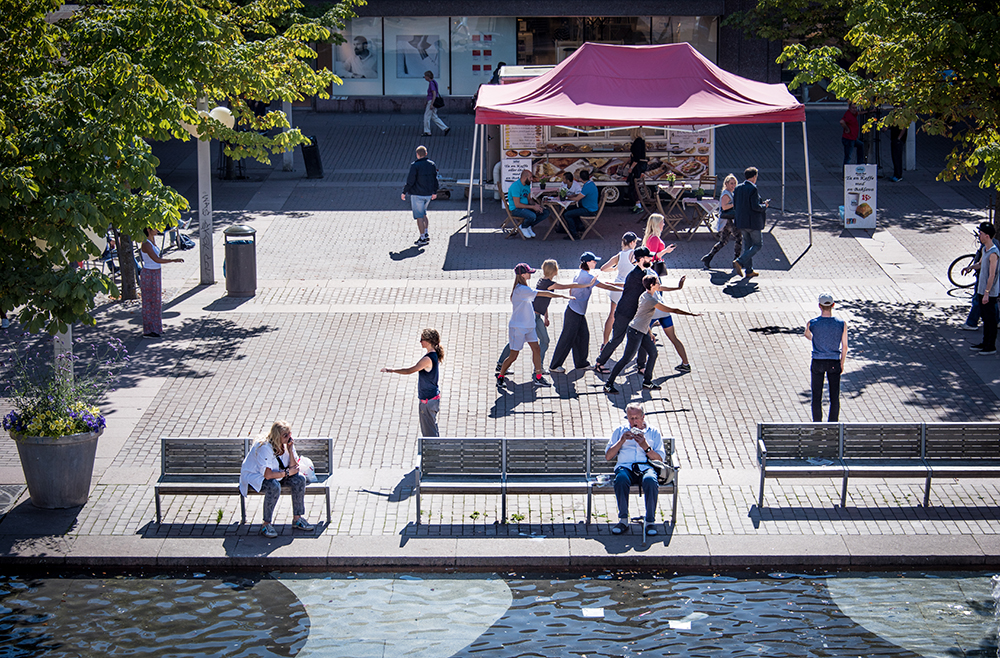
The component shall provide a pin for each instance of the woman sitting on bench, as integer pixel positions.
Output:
(271, 463)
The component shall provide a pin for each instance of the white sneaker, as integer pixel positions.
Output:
(532, 232)
(559, 371)
(524, 231)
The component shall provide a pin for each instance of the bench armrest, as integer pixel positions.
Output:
(761, 452)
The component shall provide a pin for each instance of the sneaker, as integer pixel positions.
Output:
(988, 352)
(425, 134)
(558, 370)
(637, 208)
(751, 275)
(268, 531)
(423, 242)
(610, 389)
(446, 131)
(502, 382)
(738, 268)
(531, 233)
(969, 327)
(650, 386)
(524, 231)
(302, 524)
(895, 179)
(586, 366)
(619, 528)
(540, 382)
(684, 367)
(707, 262)
(976, 347)
(651, 531)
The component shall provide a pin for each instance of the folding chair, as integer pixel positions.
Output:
(514, 221)
(589, 222)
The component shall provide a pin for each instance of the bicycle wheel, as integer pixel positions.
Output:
(955, 275)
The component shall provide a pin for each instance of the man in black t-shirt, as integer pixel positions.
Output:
(632, 290)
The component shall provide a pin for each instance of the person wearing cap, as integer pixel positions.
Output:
(427, 380)
(422, 186)
(829, 350)
(972, 321)
(575, 334)
(520, 204)
(521, 328)
(632, 290)
(622, 263)
(639, 333)
(589, 204)
(987, 288)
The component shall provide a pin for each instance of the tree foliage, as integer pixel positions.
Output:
(80, 97)
(933, 60)
(812, 23)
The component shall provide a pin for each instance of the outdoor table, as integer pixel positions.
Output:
(557, 206)
(674, 212)
(706, 210)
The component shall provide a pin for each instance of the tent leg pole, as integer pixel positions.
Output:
(809, 198)
(782, 170)
(472, 172)
(482, 157)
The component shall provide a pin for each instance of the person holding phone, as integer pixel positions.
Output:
(270, 464)
(631, 447)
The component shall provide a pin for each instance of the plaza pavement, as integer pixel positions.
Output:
(342, 292)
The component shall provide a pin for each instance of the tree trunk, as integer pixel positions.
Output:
(126, 261)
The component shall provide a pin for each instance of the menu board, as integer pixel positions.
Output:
(511, 170)
(522, 137)
(860, 183)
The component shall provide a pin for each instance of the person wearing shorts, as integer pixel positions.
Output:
(422, 186)
(521, 328)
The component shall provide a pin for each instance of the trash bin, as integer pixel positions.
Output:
(310, 155)
(241, 261)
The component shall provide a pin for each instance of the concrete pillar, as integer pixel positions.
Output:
(205, 205)
(286, 157)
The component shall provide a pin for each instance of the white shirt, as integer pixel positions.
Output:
(523, 316)
(147, 262)
(631, 452)
(261, 456)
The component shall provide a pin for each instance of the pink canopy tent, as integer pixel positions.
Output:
(625, 86)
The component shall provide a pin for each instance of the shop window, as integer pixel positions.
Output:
(702, 32)
(478, 45)
(413, 46)
(359, 62)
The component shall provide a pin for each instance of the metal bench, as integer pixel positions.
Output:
(211, 467)
(522, 466)
(879, 450)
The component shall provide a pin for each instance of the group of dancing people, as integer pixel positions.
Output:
(636, 308)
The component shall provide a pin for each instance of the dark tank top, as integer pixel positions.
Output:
(427, 382)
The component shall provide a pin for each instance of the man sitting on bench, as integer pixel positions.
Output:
(634, 445)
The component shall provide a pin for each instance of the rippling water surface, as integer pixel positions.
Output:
(437, 615)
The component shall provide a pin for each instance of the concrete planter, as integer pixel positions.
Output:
(57, 470)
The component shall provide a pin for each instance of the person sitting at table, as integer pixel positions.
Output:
(520, 204)
(587, 199)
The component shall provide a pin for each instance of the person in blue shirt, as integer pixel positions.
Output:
(588, 199)
(520, 204)
(829, 340)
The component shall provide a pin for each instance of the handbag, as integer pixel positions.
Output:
(438, 101)
(664, 474)
(660, 268)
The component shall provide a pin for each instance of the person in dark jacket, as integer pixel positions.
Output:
(422, 186)
(750, 218)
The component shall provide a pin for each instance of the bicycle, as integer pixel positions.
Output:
(955, 275)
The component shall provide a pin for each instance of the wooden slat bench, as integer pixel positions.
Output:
(522, 466)
(211, 467)
(877, 450)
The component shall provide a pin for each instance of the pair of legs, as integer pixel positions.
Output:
(989, 313)
(572, 217)
(635, 339)
(753, 241)
(625, 479)
(543, 341)
(529, 217)
(428, 416)
(151, 284)
(517, 338)
(853, 145)
(272, 491)
(418, 204)
(728, 231)
(575, 336)
(619, 329)
(431, 114)
(667, 324)
(830, 368)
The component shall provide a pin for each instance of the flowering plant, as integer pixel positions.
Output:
(49, 397)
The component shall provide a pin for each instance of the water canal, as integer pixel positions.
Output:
(438, 615)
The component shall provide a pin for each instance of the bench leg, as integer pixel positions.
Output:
(927, 491)
(673, 513)
(158, 515)
(843, 492)
(503, 506)
(760, 498)
(590, 500)
(418, 505)
(243, 510)
(328, 507)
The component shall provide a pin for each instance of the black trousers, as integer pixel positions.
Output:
(575, 336)
(989, 315)
(618, 329)
(635, 339)
(830, 368)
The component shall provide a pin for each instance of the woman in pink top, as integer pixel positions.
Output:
(651, 240)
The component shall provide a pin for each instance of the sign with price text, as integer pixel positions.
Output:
(860, 195)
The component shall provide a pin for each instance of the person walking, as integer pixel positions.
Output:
(575, 334)
(972, 321)
(727, 208)
(652, 241)
(829, 350)
(422, 186)
(987, 288)
(639, 334)
(431, 111)
(550, 269)
(622, 264)
(851, 138)
(428, 391)
(666, 322)
(897, 141)
(750, 219)
(151, 285)
(632, 290)
(637, 165)
(521, 328)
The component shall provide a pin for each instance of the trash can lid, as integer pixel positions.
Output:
(240, 229)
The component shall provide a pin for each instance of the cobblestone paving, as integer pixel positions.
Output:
(343, 292)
